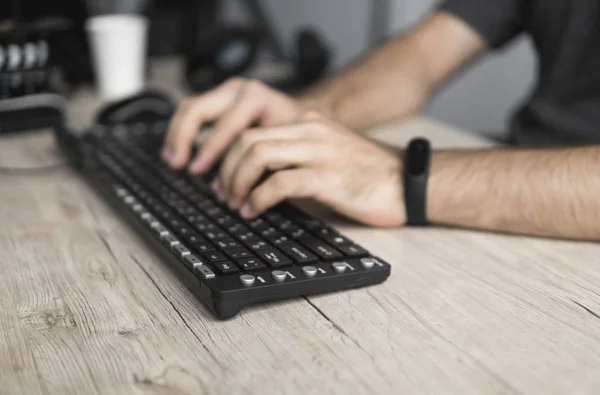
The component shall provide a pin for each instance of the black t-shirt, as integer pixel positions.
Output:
(564, 108)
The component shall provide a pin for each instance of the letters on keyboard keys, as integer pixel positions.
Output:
(257, 245)
(352, 250)
(297, 253)
(250, 264)
(337, 239)
(226, 242)
(204, 272)
(192, 260)
(199, 243)
(237, 253)
(215, 256)
(180, 250)
(320, 248)
(248, 237)
(226, 267)
(274, 258)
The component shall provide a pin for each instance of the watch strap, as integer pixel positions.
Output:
(416, 175)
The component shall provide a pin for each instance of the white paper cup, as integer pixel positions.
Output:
(118, 44)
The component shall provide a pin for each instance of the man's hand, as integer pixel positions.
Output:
(314, 158)
(234, 106)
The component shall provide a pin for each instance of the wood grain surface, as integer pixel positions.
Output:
(85, 308)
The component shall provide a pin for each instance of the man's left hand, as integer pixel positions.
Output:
(314, 158)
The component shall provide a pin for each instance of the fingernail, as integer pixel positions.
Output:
(247, 211)
(218, 190)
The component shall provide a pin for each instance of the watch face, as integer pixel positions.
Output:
(418, 157)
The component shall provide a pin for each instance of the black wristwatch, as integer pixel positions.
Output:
(416, 173)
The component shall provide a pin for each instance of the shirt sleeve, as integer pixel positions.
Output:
(497, 21)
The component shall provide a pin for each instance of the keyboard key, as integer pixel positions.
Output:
(336, 239)
(192, 260)
(320, 248)
(237, 253)
(279, 240)
(205, 204)
(206, 227)
(339, 267)
(256, 223)
(247, 279)
(160, 230)
(352, 250)
(297, 253)
(274, 258)
(279, 275)
(237, 229)
(215, 256)
(180, 250)
(288, 227)
(257, 245)
(169, 240)
(175, 223)
(193, 238)
(191, 211)
(204, 247)
(248, 237)
(148, 218)
(214, 212)
(226, 242)
(262, 227)
(225, 221)
(325, 232)
(204, 272)
(194, 219)
(226, 267)
(275, 217)
(368, 263)
(216, 234)
(250, 264)
(198, 243)
(184, 231)
(269, 231)
(297, 233)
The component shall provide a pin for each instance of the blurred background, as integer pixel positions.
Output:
(480, 99)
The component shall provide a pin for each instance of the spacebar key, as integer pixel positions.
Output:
(320, 248)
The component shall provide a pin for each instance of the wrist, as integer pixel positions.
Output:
(440, 198)
(319, 102)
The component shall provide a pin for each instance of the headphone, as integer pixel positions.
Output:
(232, 51)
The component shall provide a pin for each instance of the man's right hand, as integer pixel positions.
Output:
(233, 107)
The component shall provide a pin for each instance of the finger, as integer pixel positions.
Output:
(284, 184)
(253, 136)
(311, 116)
(249, 108)
(269, 156)
(190, 116)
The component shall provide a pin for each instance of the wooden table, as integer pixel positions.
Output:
(86, 309)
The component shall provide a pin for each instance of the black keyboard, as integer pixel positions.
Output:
(233, 262)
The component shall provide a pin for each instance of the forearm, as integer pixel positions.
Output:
(396, 80)
(549, 193)
(390, 84)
